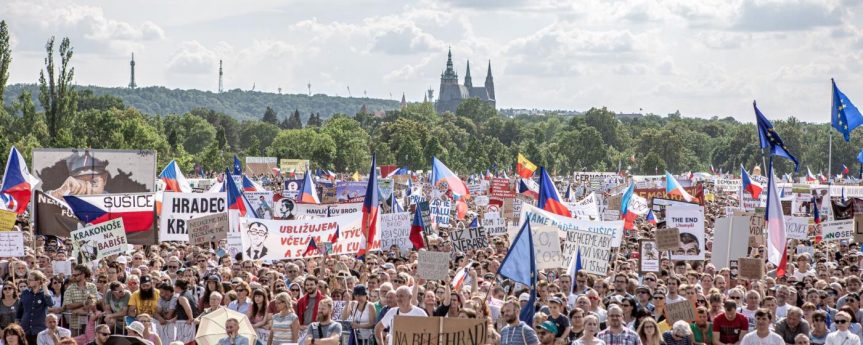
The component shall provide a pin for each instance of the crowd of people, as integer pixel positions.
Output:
(162, 293)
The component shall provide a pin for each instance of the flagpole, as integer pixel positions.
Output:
(829, 157)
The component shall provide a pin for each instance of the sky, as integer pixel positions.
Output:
(703, 58)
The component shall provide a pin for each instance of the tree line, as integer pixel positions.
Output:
(474, 138)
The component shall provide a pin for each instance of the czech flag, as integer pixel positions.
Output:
(136, 209)
(335, 236)
(309, 194)
(371, 206)
(417, 227)
(672, 187)
(174, 179)
(631, 206)
(809, 176)
(313, 247)
(18, 184)
(252, 186)
(524, 167)
(399, 171)
(441, 173)
(651, 218)
(754, 188)
(844, 170)
(548, 196)
(528, 187)
(236, 199)
(776, 240)
(460, 275)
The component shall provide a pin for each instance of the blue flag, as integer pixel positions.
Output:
(519, 265)
(474, 224)
(238, 167)
(845, 116)
(769, 138)
(860, 156)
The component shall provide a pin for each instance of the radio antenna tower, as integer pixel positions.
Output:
(132, 84)
(221, 89)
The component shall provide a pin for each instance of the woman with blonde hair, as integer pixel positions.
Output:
(285, 325)
(591, 327)
(680, 334)
(648, 331)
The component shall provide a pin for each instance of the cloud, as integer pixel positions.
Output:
(405, 38)
(791, 15)
(487, 4)
(193, 58)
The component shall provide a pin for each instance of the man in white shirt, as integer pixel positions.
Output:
(52, 334)
(405, 308)
(762, 335)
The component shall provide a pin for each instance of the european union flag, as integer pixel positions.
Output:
(845, 116)
(519, 265)
(238, 167)
(769, 138)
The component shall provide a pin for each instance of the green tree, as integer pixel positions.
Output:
(478, 111)
(352, 143)
(304, 144)
(314, 120)
(270, 116)
(5, 58)
(57, 95)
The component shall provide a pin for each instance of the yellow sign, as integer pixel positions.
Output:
(297, 166)
(7, 220)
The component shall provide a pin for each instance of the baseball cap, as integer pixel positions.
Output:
(524, 297)
(146, 280)
(549, 326)
(122, 260)
(555, 300)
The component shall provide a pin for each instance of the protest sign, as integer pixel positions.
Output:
(728, 231)
(351, 191)
(574, 231)
(292, 188)
(540, 216)
(98, 241)
(668, 239)
(500, 188)
(797, 227)
(650, 193)
(63, 268)
(595, 250)
(440, 212)
(610, 215)
(293, 166)
(680, 311)
(433, 265)
(136, 210)
(837, 230)
(266, 239)
(327, 210)
(417, 330)
(481, 201)
(262, 203)
(751, 268)
(179, 208)
(7, 220)
(858, 228)
(494, 225)
(11, 244)
(260, 166)
(648, 260)
(547, 247)
(467, 239)
(690, 222)
(585, 209)
(727, 185)
(209, 228)
(425, 211)
(396, 231)
(750, 204)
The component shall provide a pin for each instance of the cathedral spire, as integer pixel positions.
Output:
(467, 80)
(489, 83)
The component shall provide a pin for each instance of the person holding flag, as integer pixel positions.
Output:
(524, 167)
(17, 184)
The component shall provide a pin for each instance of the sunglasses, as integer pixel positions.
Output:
(839, 322)
(295, 290)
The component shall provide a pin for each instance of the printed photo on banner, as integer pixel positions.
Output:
(291, 189)
(690, 222)
(267, 239)
(262, 203)
(179, 208)
(89, 171)
(648, 256)
(98, 241)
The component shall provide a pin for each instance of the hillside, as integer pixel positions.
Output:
(242, 105)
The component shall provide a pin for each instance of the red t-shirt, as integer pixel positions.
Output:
(730, 331)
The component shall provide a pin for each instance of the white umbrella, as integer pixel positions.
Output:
(212, 327)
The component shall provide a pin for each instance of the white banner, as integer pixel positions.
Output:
(440, 212)
(288, 239)
(837, 230)
(584, 209)
(98, 241)
(573, 230)
(177, 208)
(727, 185)
(797, 227)
(690, 221)
(12, 244)
(396, 230)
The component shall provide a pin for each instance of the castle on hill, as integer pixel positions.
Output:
(452, 93)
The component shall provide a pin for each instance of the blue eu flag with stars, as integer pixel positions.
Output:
(770, 139)
(519, 265)
(845, 116)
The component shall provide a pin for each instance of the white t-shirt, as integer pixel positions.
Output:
(390, 317)
(842, 338)
(752, 338)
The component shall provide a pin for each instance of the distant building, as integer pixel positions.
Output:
(452, 94)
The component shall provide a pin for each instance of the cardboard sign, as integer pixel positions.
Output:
(547, 247)
(494, 226)
(648, 260)
(481, 201)
(62, 267)
(206, 229)
(797, 227)
(467, 239)
(11, 244)
(756, 229)
(838, 230)
(728, 231)
(98, 241)
(680, 311)
(751, 268)
(411, 330)
(7, 220)
(396, 231)
(433, 265)
(668, 239)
